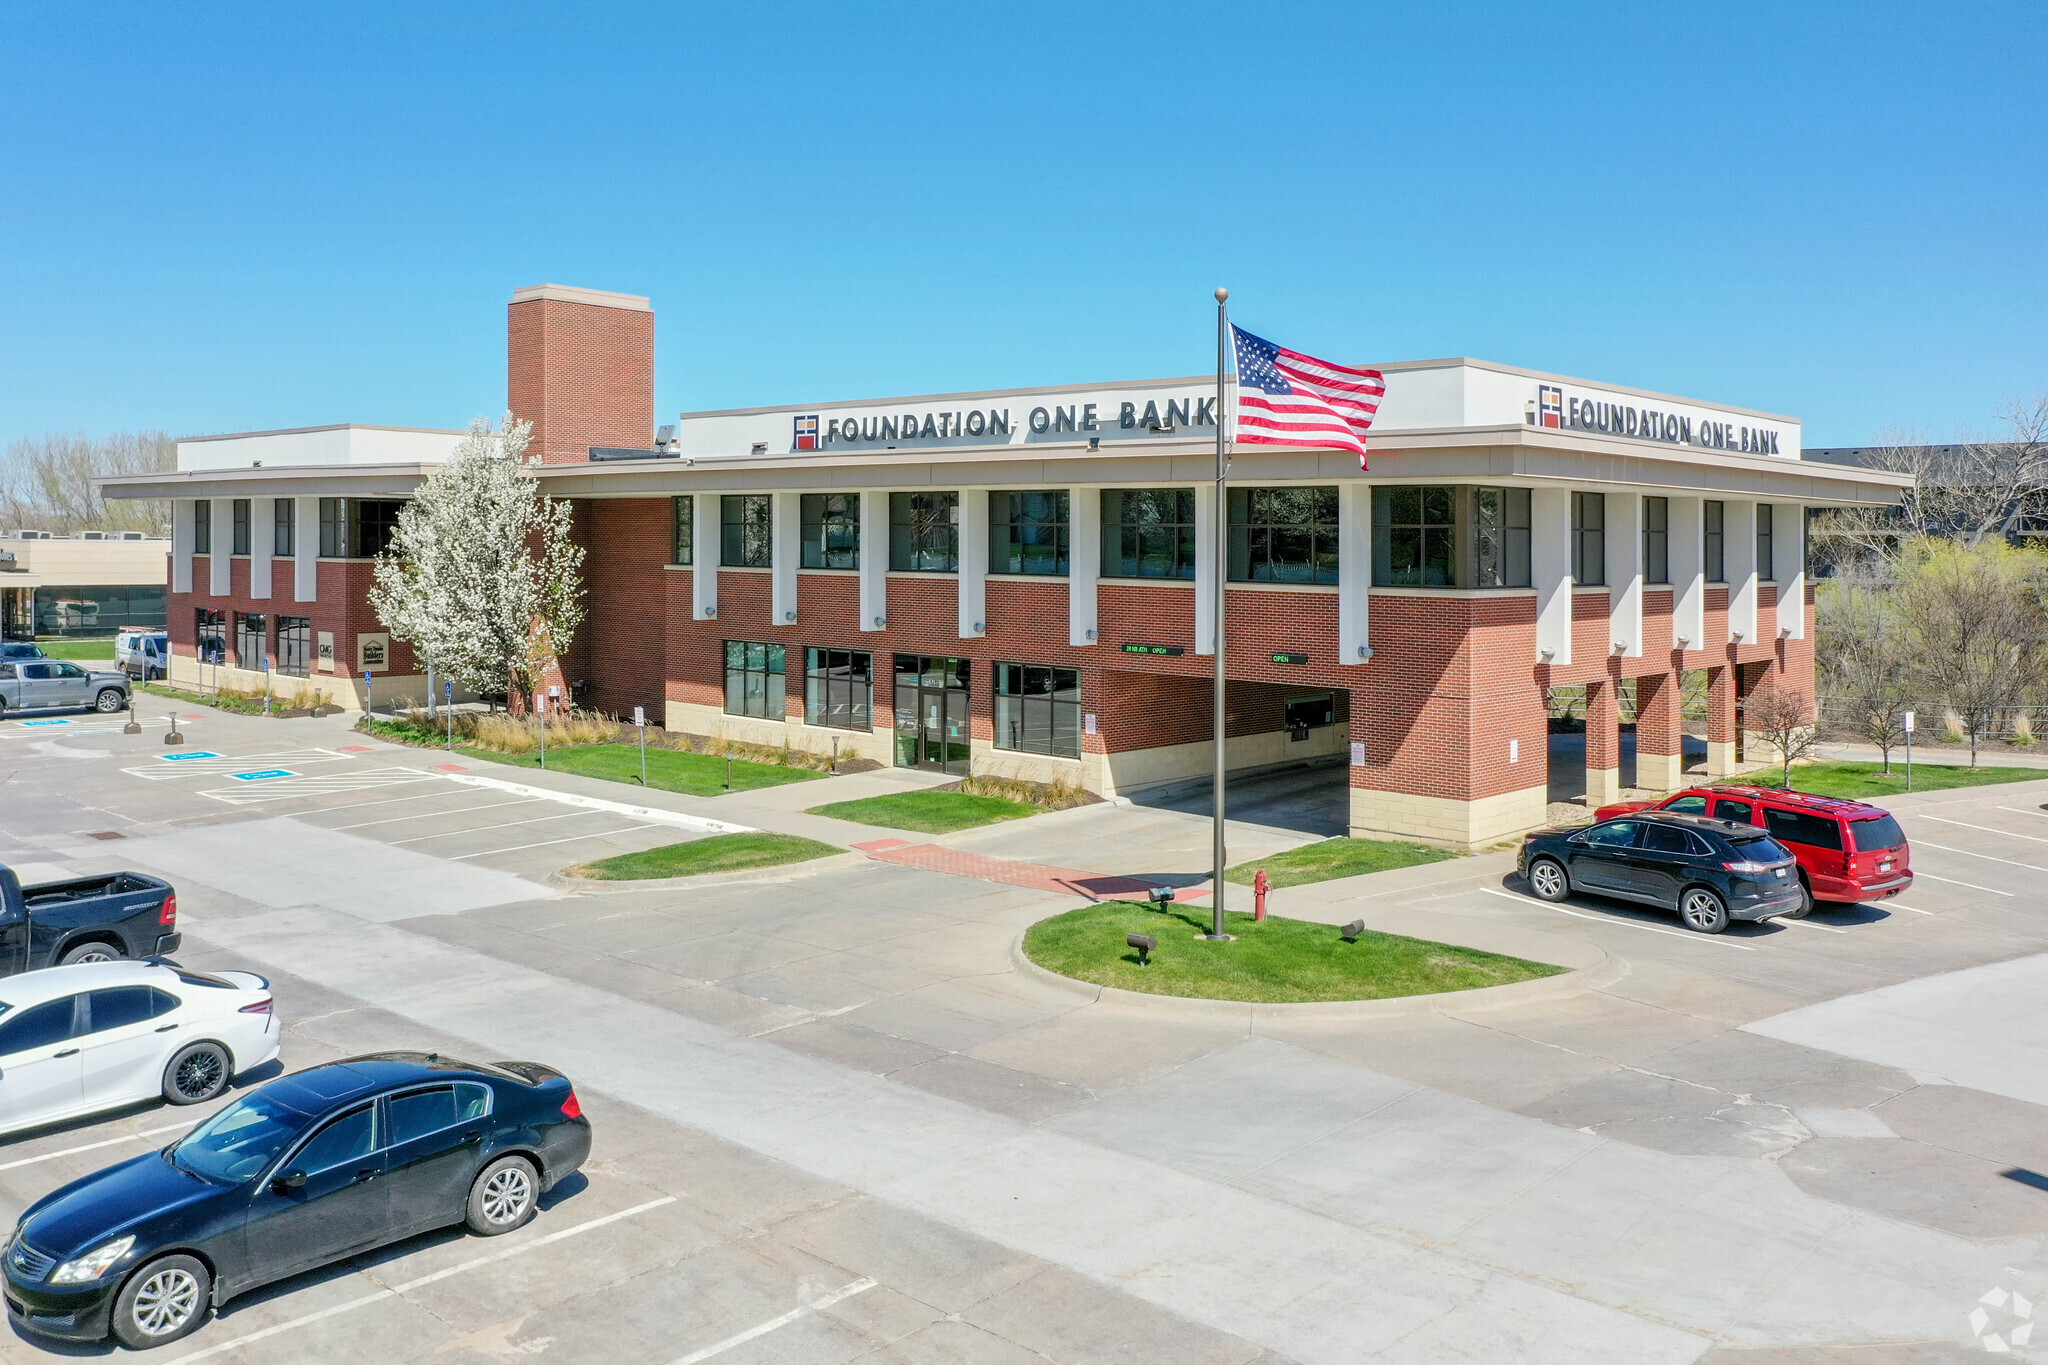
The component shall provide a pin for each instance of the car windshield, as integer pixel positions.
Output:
(1872, 835)
(1761, 849)
(238, 1142)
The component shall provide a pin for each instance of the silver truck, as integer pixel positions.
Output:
(52, 684)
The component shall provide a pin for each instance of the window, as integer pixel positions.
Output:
(349, 1138)
(1686, 805)
(284, 528)
(1283, 535)
(334, 528)
(125, 1005)
(211, 632)
(1803, 827)
(252, 635)
(1619, 834)
(831, 530)
(685, 529)
(239, 510)
(1666, 839)
(371, 522)
(753, 679)
(294, 645)
(1656, 540)
(202, 527)
(1414, 537)
(1589, 538)
(472, 1100)
(1038, 710)
(1763, 543)
(37, 1026)
(924, 532)
(839, 688)
(1027, 532)
(1738, 811)
(746, 530)
(238, 1141)
(1148, 533)
(1500, 538)
(419, 1113)
(1714, 516)
(1879, 832)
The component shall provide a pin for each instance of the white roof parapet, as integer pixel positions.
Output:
(569, 293)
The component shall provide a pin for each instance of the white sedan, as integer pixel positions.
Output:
(100, 1035)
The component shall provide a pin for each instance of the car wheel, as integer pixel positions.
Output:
(1548, 880)
(198, 1073)
(503, 1196)
(109, 700)
(1805, 906)
(161, 1302)
(91, 952)
(1702, 911)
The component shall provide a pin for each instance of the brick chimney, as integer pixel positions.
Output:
(580, 367)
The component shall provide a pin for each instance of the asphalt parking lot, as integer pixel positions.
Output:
(1803, 1136)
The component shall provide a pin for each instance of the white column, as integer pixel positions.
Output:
(1625, 574)
(1788, 555)
(704, 542)
(1739, 554)
(972, 620)
(305, 549)
(181, 545)
(1688, 574)
(1354, 571)
(1205, 568)
(1084, 563)
(785, 552)
(262, 544)
(1550, 566)
(221, 560)
(874, 559)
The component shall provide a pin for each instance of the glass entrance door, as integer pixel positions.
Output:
(931, 714)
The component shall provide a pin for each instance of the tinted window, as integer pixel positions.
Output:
(238, 1142)
(1687, 805)
(421, 1112)
(68, 670)
(1803, 827)
(38, 671)
(120, 1007)
(346, 1139)
(1619, 834)
(472, 1099)
(1761, 849)
(1665, 839)
(39, 1026)
(1738, 811)
(1871, 835)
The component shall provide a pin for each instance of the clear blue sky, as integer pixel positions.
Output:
(219, 217)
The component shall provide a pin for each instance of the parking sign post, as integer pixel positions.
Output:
(1909, 750)
(369, 698)
(640, 724)
(448, 700)
(266, 684)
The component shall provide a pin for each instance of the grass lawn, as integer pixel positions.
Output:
(79, 649)
(1338, 858)
(1859, 781)
(927, 812)
(668, 770)
(1278, 961)
(718, 853)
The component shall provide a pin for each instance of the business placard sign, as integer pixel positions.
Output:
(1561, 409)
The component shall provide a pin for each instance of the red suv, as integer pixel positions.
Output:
(1847, 850)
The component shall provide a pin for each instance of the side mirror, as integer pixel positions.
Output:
(289, 1182)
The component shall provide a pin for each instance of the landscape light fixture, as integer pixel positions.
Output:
(1352, 930)
(1146, 946)
(1161, 896)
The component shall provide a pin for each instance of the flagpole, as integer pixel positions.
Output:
(1220, 710)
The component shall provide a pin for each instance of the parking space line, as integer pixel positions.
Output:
(2031, 867)
(572, 839)
(459, 810)
(2005, 834)
(95, 1146)
(502, 824)
(424, 1280)
(1953, 882)
(763, 1329)
(2022, 810)
(1808, 924)
(382, 801)
(1624, 923)
(1914, 908)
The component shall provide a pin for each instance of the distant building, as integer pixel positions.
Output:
(87, 583)
(1936, 466)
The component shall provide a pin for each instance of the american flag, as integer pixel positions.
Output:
(1285, 398)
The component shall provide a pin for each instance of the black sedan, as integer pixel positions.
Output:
(1710, 871)
(310, 1169)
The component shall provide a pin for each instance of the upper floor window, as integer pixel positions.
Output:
(1414, 537)
(1027, 532)
(1714, 515)
(202, 527)
(1148, 533)
(357, 528)
(1589, 539)
(1283, 535)
(284, 528)
(1656, 540)
(746, 530)
(334, 528)
(924, 532)
(239, 510)
(1764, 566)
(831, 531)
(1500, 538)
(683, 535)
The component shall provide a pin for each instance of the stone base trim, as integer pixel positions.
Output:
(346, 690)
(695, 719)
(1603, 786)
(1721, 758)
(1660, 772)
(1137, 769)
(1441, 820)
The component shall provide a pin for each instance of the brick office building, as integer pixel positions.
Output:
(1020, 582)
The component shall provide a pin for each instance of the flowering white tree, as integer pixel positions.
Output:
(481, 568)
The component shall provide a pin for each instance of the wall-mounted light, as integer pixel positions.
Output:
(1547, 653)
(789, 616)
(980, 626)
(1738, 636)
(881, 622)
(1365, 651)
(1685, 642)
(1784, 632)
(1621, 646)
(1091, 633)
(711, 613)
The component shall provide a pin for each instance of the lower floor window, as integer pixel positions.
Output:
(252, 637)
(1038, 709)
(294, 645)
(839, 688)
(212, 635)
(753, 679)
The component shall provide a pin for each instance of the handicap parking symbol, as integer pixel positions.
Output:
(188, 756)
(262, 774)
(28, 723)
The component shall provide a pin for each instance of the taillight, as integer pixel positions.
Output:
(168, 916)
(260, 1007)
(1745, 867)
(570, 1108)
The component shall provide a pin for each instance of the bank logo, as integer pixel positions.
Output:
(2008, 1325)
(807, 433)
(1549, 405)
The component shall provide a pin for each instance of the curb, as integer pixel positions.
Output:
(787, 871)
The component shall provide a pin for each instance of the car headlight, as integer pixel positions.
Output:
(94, 1263)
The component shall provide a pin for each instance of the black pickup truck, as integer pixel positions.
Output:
(88, 919)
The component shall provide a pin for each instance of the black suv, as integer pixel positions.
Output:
(1709, 871)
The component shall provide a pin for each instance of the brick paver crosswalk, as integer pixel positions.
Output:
(1096, 886)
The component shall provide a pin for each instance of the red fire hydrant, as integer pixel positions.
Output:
(1261, 884)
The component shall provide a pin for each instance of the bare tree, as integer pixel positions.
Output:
(1866, 657)
(46, 482)
(1783, 717)
(1974, 617)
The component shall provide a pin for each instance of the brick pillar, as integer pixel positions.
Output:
(580, 367)
(1603, 743)
(1660, 743)
(1721, 721)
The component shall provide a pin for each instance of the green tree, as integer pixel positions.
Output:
(1973, 616)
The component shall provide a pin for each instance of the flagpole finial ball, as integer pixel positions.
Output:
(1222, 294)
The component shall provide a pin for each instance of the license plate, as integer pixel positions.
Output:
(1781, 872)
(1884, 867)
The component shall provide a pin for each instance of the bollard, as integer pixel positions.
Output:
(134, 726)
(174, 737)
(1261, 884)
